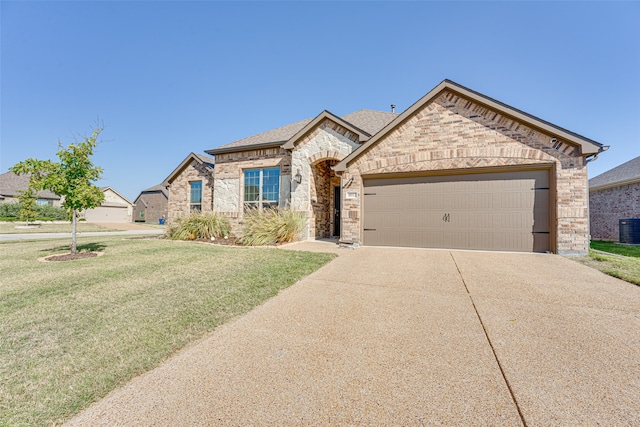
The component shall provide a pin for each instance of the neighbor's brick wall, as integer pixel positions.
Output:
(609, 205)
(180, 190)
(156, 207)
(452, 132)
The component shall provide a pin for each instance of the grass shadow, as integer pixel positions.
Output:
(91, 247)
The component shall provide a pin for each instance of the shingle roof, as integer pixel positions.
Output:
(10, 184)
(162, 187)
(280, 134)
(370, 121)
(628, 171)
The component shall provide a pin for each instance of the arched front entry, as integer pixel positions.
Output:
(325, 200)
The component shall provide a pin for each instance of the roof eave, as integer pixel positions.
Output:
(614, 184)
(260, 146)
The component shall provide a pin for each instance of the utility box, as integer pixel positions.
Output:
(629, 230)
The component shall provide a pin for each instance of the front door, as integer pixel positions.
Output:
(337, 196)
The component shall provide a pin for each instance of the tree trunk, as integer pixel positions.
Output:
(73, 232)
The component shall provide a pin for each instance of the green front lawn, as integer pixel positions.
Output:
(616, 248)
(72, 331)
(625, 264)
(47, 227)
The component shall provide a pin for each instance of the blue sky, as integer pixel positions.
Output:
(168, 78)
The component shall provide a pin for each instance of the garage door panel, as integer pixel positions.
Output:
(501, 211)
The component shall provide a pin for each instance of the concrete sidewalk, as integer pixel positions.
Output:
(385, 336)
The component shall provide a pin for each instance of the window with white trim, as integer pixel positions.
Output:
(261, 188)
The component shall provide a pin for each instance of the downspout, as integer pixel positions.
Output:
(588, 159)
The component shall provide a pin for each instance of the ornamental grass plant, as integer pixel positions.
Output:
(199, 226)
(271, 226)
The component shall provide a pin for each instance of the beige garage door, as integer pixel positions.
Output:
(494, 211)
(107, 214)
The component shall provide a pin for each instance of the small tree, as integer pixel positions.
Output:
(27, 199)
(71, 177)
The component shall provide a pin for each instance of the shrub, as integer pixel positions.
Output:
(272, 226)
(10, 210)
(199, 226)
(45, 212)
(57, 213)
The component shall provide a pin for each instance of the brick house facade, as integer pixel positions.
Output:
(195, 168)
(324, 165)
(614, 195)
(152, 204)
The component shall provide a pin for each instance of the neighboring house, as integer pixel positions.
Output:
(151, 204)
(11, 185)
(190, 186)
(457, 169)
(114, 208)
(614, 195)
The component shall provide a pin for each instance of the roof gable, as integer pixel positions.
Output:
(362, 122)
(206, 162)
(586, 146)
(114, 196)
(625, 173)
(325, 115)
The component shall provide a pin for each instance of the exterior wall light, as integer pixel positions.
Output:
(298, 177)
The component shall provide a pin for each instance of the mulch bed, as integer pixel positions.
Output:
(71, 257)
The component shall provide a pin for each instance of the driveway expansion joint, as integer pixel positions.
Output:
(486, 334)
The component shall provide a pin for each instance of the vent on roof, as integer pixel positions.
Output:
(393, 108)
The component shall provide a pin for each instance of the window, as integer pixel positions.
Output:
(44, 202)
(261, 188)
(195, 201)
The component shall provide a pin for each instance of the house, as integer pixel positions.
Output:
(11, 185)
(114, 208)
(190, 186)
(151, 204)
(457, 169)
(614, 195)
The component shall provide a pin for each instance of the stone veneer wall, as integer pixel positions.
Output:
(323, 179)
(229, 179)
(609, 205)
(452, 132)
(180, 190)
(327, 141)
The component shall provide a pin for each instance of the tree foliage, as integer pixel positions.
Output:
(71, 178)
(27, 200)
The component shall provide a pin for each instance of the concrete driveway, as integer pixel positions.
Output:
(386, 336)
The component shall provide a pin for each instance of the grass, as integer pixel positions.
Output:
(616, 248)
(71, 332)
(625, 266)
(10, 228)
